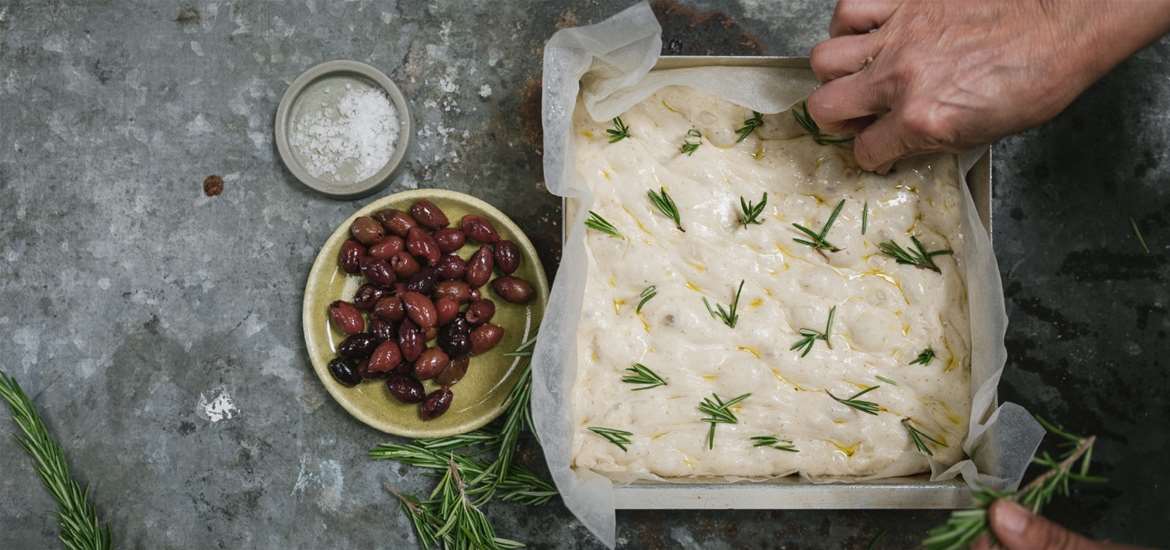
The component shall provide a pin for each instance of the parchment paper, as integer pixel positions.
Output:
(609, 64)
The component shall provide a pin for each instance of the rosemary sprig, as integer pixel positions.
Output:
(619, 131)
(647, 294)
(598, 223)
(451, 443)
(621, 438)
(465, 525)
(729, 315)
(965, 526)
(749, 126)
(864, 217)
(774, 443)
(692, 142)
(517, 416)
(425, 522)
(810, 336)
(519, 485)
(917, 257)
(665, 204)
(750, 212)
(1138, 233)
(718, 412)
(818, 241)
(920, 438)
(867, 407)
(805, 120)
(523, 350)
(924, 357)
(640, 374)
(76, 515)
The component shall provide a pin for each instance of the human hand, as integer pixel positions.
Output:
(917, 76)
(1016, 528)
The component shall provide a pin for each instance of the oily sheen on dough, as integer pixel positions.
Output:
(886, 313)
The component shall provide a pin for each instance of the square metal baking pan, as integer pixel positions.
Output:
(916, 492)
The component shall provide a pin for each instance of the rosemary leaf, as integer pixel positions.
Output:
(920, 438)
(749, 126)
(867, 407)
(864, 217)
(818, 242)
(619, 131)
(621, 438)
(750, 212)
(886, 380)
(647, 294)
(800, 113)
(924, 357)
(665, 204)
(523, 350)
(773, 442)
(718, 412)
(729, 315)
(692, 142)
(917, 257)
(1138, 233)
(598, 223)
(808, 336)
(640, 374)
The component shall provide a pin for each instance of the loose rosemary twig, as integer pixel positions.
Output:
(641, 374)
(818, 241)
(619, 131)
(750, 212)
(749, 126)
(1138, 233)
(917, 257)
(965, 526)
(598, 223)
(810, 336)
(452, 518)
(800, 113)
(76, 515)
(665, 204)
(719, 412)
(729, 315)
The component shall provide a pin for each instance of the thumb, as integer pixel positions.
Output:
(1017, 528)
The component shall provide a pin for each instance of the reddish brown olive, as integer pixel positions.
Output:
(395, 221)
(363, 369)
(387, 247)
(404, 265)
(366, 230)
(480, 312)
(345, 317)
(432, 333)
(449, 239)
(455, 290)
(422, 282)
(479, 229)
(366, 296)
(405, 388)
(436, 403)
(349, 258)
(420, 309)
(387, 356)
(378, 272)
(411, 340)
(447, 309)
(358, 346)
(512, 289)
(423, 246)
(507, 257)
(428, 214)
(485, 337)
(390, 309)
(384, 330)
(454, 372)
(451, 267)
(430, 363)
(479, 269)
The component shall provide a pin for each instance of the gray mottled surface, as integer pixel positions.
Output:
(127, 296)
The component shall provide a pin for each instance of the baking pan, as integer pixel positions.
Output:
(792, 492)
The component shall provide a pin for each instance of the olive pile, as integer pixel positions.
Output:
(418, 289)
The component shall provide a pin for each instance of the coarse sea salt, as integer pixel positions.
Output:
(349, 136)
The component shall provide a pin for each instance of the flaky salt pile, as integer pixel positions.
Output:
(350, 140)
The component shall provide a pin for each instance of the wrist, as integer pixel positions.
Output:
(1101, 34)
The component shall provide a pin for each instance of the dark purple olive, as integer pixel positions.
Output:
(386, 357)
(512, 289)
(405, 389)
(346, 318)
(366, 230)
(349, 258)
(404, 265)
(366, 296)
(436, 403)
(378, 272)
(358, 346)
(449, 239)
(507, 257)
(480, 312)
(387, 247)
(395, 221)
(479, 229)
(451, 268)
(455, 337)
(384, 330)
(422, 282)
(428, 214)
(422, 245)
(390, 309)
(479, 269)
(485, 337)
(411, 340)
(454, 372)
(430, 363)
(447, 309)
(345, 371)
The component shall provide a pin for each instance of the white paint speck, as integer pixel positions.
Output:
(29, 339)
(104, 283)
(485, 91)
(198, 49)
(448, 85)
(198, 125)
(328, 477)
(219, 407)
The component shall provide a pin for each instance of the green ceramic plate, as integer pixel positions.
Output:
(480, 396)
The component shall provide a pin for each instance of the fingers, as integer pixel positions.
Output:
(837, 57)
(882, 143)
(860, 16)
(1017, 528)
(843, 99)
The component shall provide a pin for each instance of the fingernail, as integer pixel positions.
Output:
(1011, 518)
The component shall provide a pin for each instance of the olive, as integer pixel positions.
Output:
(404, 265)
(420, 309)
(411, 340)
(507, 256)
(479, 269)
(455, 290)
(422, 282)
(447, 309)
(428, 214)
(358, 346)
(390, 309)
(454, 372)
(395, 221)
(345, 371)
(512, 289)
(366, 296)
(366, 230)
(378, 272)
(478, 228)
(451, 267)
(455, 337)
(387, 247)
(480, 312)
(349, 259)
(485, 337)
(423, 246)
(473, 295)
(345, 317)
(386, 357)
(449, 239)
(384, 330)
(436, 403)
(367, 374)
(430, 363)
(405, 388)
